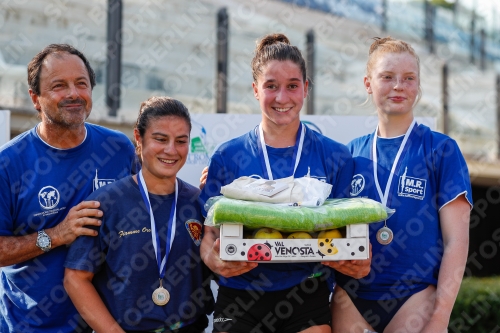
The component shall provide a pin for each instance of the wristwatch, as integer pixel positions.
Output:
(43, 241)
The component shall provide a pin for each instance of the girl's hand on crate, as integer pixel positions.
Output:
(354, 268)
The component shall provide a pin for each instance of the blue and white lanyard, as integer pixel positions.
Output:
(385, 195)
(297, 151)
(171, 225)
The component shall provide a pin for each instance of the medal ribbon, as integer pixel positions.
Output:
(154, 235)
(264, 159)
(385, 195)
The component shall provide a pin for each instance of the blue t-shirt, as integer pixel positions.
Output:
(431, 173)
(123, 259)
(321, 158)
(39, 185)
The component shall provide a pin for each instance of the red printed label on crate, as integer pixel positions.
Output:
(259, 252)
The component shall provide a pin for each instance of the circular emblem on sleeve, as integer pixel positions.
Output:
(357, 184)
(48, 197)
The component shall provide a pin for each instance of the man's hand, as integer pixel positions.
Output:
(74, 224)
(353, 268)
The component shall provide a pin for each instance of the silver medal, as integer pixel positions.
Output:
(384, 235)
(160, 296)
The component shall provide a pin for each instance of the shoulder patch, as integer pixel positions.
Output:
(194, 228)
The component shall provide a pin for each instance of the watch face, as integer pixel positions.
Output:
(44, 242)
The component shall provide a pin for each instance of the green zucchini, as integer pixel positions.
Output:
(334, 213)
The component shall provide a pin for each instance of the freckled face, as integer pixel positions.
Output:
(164, 147)
(65, 91)
(280, 91)
(394, 83)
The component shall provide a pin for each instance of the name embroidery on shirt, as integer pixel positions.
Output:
(122, 233)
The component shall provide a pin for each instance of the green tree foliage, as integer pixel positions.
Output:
(477, 308)
(443, 3)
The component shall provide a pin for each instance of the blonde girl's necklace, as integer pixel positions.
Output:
(385, 234)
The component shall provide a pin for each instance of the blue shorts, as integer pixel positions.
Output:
(290, 310)
(197, 327)
(378, 313)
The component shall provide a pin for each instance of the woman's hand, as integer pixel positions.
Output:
(226, 268)
(353, 268)
(210, 254)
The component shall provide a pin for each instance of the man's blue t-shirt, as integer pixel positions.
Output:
(123, 259)
(40, 184)
(431, 173)
(321, 158)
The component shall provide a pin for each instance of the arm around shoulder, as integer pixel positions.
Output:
(16, 249)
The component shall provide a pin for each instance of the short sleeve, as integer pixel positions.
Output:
(343, 178)
(85, 253)
(350, 147)
(216, 178)
(452, 174)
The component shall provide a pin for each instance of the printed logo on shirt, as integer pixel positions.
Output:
(98, 183)
(221, 320)
(357, 184)
(194, 228)
(48, 197)
(320, 178)
(411, 187)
